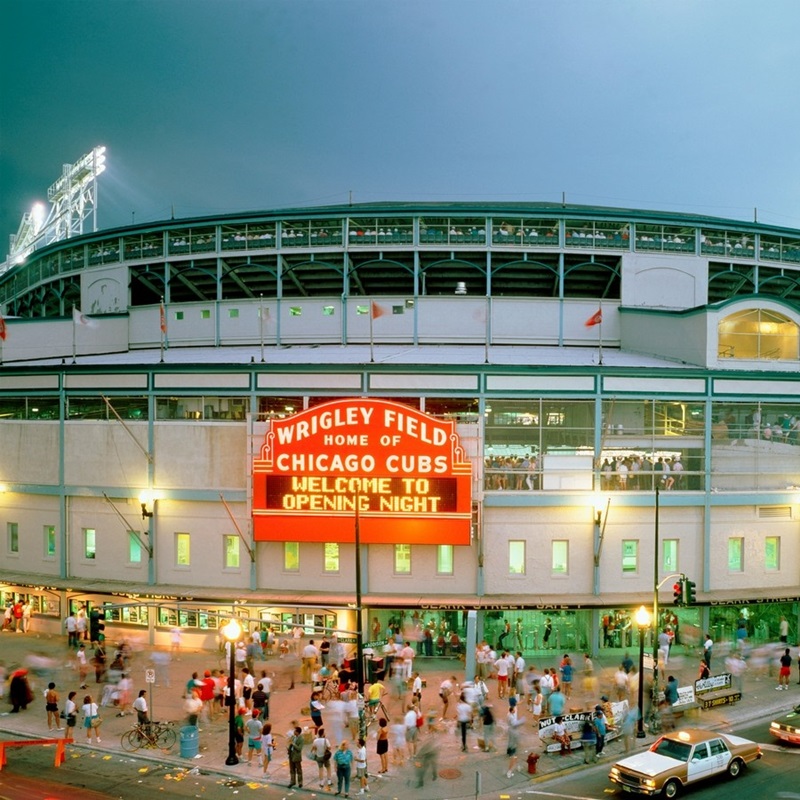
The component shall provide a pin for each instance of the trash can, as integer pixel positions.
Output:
(532, 759)
(190, 742)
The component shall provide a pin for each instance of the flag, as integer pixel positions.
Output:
(163, 318)
(81, 319)
(376, 310)
(595, 319)
(2, 328)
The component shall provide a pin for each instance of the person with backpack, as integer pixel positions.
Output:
(296, 758)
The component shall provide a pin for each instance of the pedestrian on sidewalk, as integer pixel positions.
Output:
(488, 728)
(411, 733)
(785, 670)
(344, 761)
(445, 692)
(427, 759)
(464, 718)
(360, 761)
(253, 727)
(600, 729)
(296, 758)
(51, 706)
(514, 722)
(588, 741)
(19, 691)
(382, 747)
(71, 715)
(91, 719)
(321, 753)
(266, 746)
(81, 664)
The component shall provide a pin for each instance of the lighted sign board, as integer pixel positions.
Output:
(399, 474)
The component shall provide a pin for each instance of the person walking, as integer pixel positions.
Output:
(91, 719)
(588, 741)
(82, 664)
(600, 729)
(266, 746)
(708, 646)
(464, 718)
(344, 761)
(296, 758)
(140, 707)
(513, 721)
(410, 722)
(19, 691)
(51, 706)
(321, 753)
(253, 728)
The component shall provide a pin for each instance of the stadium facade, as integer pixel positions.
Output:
(622, 386)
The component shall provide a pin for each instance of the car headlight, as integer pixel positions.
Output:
(614, 771)
(775, 726)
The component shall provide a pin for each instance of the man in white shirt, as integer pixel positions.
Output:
(140, 707)
(310, 654)
(407, 654)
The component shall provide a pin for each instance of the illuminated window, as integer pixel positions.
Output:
(560, 557)
(516, 557)
(13, 537)
(291, 556)
(233, 313)
(402, 559)
(444, 559)
(230, 545)
(179, 315)
(134, 549)
(669, 555)
(295, 311)
(89, 543)
(772, 553)
(758, 334)
(49, 532)
(183, 550)
(331, 557)
(328, 311)
(205, 313)
(736, 554)
(630, 555)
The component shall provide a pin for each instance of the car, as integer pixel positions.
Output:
(787, 728)
(680, 758)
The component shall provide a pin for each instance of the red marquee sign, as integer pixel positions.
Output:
(399, 474)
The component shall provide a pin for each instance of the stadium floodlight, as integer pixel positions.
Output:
(73, 197)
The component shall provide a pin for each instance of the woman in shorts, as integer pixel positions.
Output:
(266, 746)
(71, 714)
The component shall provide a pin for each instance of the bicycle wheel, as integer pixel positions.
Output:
(131, 741)
(166, 738)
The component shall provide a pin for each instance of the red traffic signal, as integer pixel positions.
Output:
(677, 592)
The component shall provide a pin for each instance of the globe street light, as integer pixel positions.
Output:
(643, 621)
(232, 631)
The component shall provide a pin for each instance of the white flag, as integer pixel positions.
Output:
(82, 319)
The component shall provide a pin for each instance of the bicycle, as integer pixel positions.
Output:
(161, 735)
(371, 713)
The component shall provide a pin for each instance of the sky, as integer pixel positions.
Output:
(218, 106)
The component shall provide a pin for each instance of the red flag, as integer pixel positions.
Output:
(163, 317)
(376, 310)
(595, 319)
(2, 328)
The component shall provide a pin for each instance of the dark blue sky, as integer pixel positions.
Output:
(211, 106)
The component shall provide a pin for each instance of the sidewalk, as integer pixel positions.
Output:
(456, 769)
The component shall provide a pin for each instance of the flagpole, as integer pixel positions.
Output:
(74, 326)
(371, 343)
(600, 335)
(261, 323)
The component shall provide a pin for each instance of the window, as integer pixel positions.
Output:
(49, 532)
(516, 557)
(205, 313)
(291, 556)
(295, 311)
(444, 559)
(402, 559)
(331, 557)
(233, 313)
(134, 549)
(630, 556)
(736, 554)
(669, 555)
(560, 557)
(89, 543)
(758, 334)
(179, 315)
(230, 545)
(328, 311)
(183, 550)
(13, 537)
(772, 553)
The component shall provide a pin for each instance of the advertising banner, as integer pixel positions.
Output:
(399, 474)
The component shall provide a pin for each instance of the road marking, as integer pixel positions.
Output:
(561, 796)
(781, 748)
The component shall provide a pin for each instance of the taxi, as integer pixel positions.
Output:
(787, 728)
(681, 758)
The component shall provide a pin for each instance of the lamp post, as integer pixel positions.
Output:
(643, 621)
(232, 631)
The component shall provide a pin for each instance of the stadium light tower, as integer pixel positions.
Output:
(73, 197)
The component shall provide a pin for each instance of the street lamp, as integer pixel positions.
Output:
(643, 621)
(232, 631)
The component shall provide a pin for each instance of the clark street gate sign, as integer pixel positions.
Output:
(401, 474)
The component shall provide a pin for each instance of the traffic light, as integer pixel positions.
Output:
(96, 626)
(677, 592)
(689, 596)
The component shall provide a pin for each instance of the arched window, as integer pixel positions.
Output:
(758, 334)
